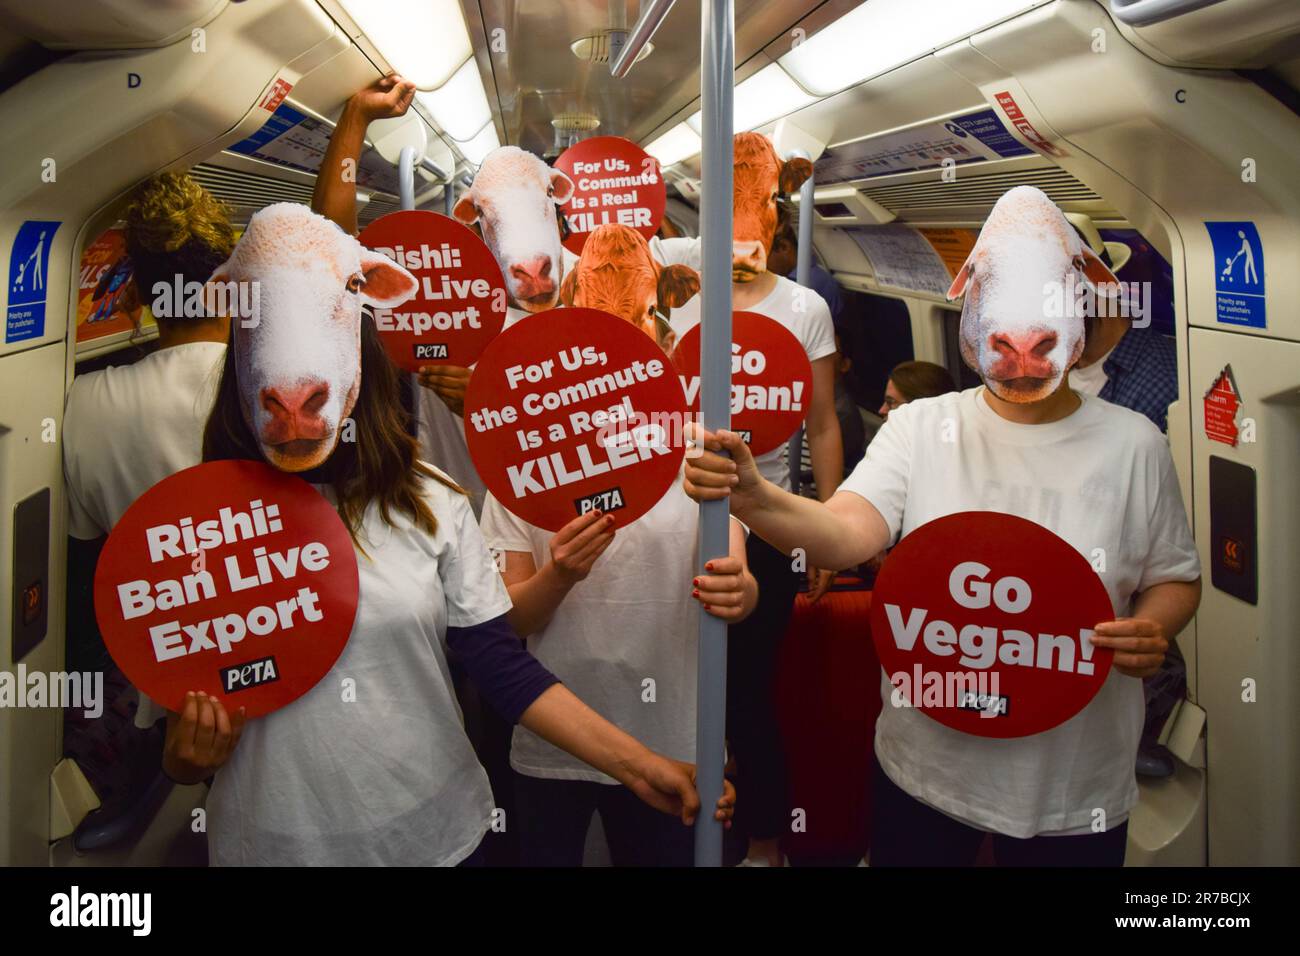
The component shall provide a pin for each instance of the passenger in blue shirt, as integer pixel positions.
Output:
(783, 259)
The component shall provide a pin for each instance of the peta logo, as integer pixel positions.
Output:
(610, 500)
(74, 908)
(989, 704)
(252, 674)
(430, 350)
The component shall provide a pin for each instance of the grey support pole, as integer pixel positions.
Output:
(406, 177)
(802, 275)
(448, 197)
(717, 78)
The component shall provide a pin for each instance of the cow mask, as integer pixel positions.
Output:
(618, 275)
(1022, 325)
(513, 199)
(759, 179)
(298, 356)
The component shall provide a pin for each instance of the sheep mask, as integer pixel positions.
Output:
(1022, 322)
(298, 354)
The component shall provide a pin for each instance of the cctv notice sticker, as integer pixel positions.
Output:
(461, 302)
(982, 622)
(771, 379)
(231, 578)
(614, 181)
(574, 410)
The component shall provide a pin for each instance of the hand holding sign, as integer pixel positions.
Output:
(461, 302)
(230, 578)
(572, 411)
(771, 379)
(983, 621)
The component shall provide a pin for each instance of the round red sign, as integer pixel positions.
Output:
(461, 303)
(981, 621)
(574, 410)
(771, 379)
(614, 180)
(231, 578)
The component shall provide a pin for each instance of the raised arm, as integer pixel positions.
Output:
(837, 534)
(335, 195)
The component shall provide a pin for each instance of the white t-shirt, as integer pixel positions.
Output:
(128, 427)
(1092, 379)
(631, 620)
(799, 309)
(442, 432)
(1100, 478)
(389, 778)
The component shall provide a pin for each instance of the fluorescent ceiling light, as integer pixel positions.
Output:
(459, 106)
(680, 142)
(423, 40)
(475, 149)
(882, 34)
(765, 96)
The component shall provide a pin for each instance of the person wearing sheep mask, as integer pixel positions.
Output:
(1022, 443)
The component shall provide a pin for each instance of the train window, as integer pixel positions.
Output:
(961, 373)
(876, 334)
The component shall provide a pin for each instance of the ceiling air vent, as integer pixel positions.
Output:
(933, 199)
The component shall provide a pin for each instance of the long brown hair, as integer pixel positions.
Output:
(380, 465)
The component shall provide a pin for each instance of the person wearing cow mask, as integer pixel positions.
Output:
(760, 178)
(513, 204)
(1023, 443)
(593, 615)
(389, 777)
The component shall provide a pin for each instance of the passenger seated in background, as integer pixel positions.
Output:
(912, 380)
(1025, 444)
(853, 430)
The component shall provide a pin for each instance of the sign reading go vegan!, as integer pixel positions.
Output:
(982, 621)
(461, 301)
(574, 410)
(231, 578)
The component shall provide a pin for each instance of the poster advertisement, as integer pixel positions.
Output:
(574, 410)
(771, 379)
(106, 302)
(615, 181)
(231, 578)
(982, 622)
(461, 302)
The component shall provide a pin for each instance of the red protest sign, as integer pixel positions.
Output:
(771, 379)
(614, 180)
(232, 578)
(574, 410)
(981, 621)
(461, 303)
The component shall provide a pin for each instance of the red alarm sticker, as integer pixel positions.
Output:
(771, 379)
(614, 180)
(574, 410)
(461, 302)
(982, 622)
(232, 578)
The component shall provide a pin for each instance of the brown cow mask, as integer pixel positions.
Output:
(759, 179)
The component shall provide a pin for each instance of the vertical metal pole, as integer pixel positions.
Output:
(406, 177)
(717, 77)
(803, 276)
(448, 197)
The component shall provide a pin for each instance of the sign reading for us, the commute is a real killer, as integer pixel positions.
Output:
(574, 410)
(231, 578)
(983, 621)
(460, 304)
(614, 181)
(771, 379)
